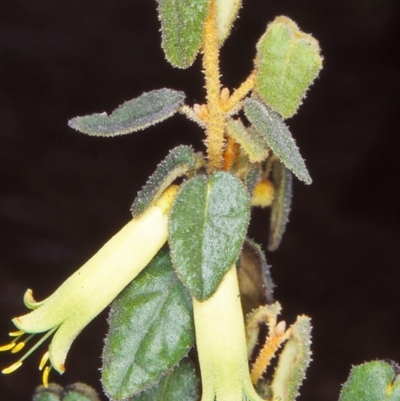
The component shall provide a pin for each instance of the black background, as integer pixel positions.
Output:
(63, 194)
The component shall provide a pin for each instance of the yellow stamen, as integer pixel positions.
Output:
(18, 347)
(12, 368)
(44, 360)
(7, 347)
(46, 373)
(18, 333)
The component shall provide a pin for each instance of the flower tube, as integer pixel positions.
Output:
(93, 287)
(221, 344)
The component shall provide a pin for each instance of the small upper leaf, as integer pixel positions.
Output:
(182, 29)
(226, 11)
(178, 384)
(280, 209)
(278, 137)
(151, 330)
(53, 392)
(80, 392)
(372, 381)
(208, 224)
(287, 63)
(134, 115)
(179, 161)
(249, 139)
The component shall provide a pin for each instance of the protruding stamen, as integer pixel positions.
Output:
(19, 346)
(7, 347)
(18, 333)
(44, 360)
(46, 373)
(12, 368)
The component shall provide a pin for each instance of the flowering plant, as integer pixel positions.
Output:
(182, 274)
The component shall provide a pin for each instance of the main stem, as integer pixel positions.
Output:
(216, 116)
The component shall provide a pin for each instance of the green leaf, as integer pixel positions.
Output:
(287, 63)
(280, 208)
(182, 29)
(249, 139)
(372, 381)
(53, 392)
(136, 114)
(208, 224)
(255, 282)
(151, 330)
(80, 392)
(293, 361)
(178, 384)
(278, 137)
(179, 162)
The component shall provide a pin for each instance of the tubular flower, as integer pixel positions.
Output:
(221, 344)
(91, 288)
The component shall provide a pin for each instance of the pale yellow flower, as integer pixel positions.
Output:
(91, 288)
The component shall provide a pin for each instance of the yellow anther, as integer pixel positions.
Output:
(44, 360)
(7, 347)
(18, 347)
(46, 373)
(12, 368)
(18, 333)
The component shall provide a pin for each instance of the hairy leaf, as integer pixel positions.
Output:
(249, 139)
(80, 392)
(182, 29)
(151, 330)
(180, 161)
(372, 381)
(287, 63)
(178, 384)
(278, 137)
(208, 224)
(134, 115)
(227, 11)
(53, 392)
(293, 361)
(280, 209)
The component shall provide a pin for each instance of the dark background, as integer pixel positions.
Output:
(62, 194)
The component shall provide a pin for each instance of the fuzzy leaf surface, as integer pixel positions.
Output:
(287, 63)
(280, 208)
(372, 381)
(278, 137)
(182, 29)
(179, 161)
(134, 115)
(178, 384)
(151, 330)
(208, 224)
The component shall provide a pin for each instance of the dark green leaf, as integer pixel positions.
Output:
(287, 63)
(151, 330)
(51, 393)
(80, 392)
(208, 224)
(372, 381)
(180, 384)
(136, 114)
(280, 208)
(293, 361)
(182, 29)
(278, 137)
(180, 161)
(255, 283)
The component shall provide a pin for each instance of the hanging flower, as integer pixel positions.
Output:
(221, 344)
(91, 288)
